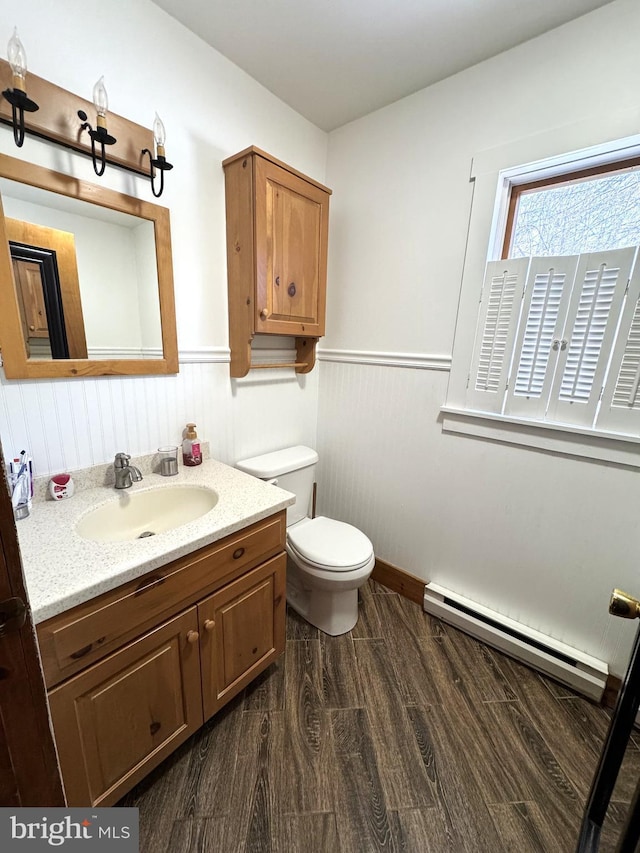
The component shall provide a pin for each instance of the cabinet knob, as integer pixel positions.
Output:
(264, 314)
(33, 328)
(209, 625)
(192, 637)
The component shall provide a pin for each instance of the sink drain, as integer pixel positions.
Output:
(146, 533)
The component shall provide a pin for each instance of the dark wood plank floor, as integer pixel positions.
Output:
(404, 735)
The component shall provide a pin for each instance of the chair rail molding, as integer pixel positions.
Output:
(197, 355)
(415, 360)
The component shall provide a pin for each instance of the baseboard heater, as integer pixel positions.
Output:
(581, 672)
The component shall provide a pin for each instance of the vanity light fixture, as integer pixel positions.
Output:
(160, 162)
(100, 134)
(17, 96)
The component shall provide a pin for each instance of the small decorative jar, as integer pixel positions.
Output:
(61, 486)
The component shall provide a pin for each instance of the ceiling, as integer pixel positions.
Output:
(336, 60)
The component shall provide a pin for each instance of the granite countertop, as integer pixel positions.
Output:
(62, 569)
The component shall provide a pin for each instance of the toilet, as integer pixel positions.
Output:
(328, 560)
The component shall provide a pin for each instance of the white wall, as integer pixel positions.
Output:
(211, 110)
(540, 537)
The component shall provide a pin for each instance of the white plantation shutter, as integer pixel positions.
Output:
(620, 407)
(544, 312)
(498, 316)
(586, 343)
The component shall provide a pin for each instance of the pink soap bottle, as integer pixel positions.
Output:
(191, 452)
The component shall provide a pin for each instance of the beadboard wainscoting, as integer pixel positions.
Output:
(67, 424)
(510, 528)
(377, 438)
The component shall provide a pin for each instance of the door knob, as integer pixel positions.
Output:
(264, 314)
(193, 637)
(624, 605)
(209, 625)
(13, 615)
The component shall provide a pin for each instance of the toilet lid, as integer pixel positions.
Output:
(330, 544)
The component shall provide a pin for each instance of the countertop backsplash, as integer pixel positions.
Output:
(104, 475)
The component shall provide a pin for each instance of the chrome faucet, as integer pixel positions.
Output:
(125, 474)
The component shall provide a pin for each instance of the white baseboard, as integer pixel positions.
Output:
(581, 672)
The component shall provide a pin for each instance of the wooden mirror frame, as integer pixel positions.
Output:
(12, 344)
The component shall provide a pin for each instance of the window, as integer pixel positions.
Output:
(558, 332)
(590, 210)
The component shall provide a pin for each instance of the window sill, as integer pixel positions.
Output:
(554, 438)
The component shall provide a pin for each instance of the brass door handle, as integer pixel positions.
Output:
(624, 605)
(13, 615)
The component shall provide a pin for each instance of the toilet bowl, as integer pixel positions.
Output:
(328, 560)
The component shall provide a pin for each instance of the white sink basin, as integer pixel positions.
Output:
(138, 514)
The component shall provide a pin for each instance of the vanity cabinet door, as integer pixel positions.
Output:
(291, 252)
(242, 630)
(121, 717)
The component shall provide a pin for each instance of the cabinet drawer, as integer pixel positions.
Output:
(74, 639)
(117, 720)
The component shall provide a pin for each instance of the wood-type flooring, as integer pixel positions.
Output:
(403, 735)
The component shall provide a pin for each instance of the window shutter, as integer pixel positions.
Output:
(594, 310)
(544, 313)
(620, 407)
(498, 315)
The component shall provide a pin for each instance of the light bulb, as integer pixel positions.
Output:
(100, 99)
(159, 135)
(17, 60)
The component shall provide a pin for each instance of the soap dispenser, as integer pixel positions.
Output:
(191, 452)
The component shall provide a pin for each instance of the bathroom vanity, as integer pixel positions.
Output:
(134, 671)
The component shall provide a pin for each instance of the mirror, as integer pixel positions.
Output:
(87, 279)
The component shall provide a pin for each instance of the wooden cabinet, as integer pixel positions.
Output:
(120, 717)
(242, 629)
(277, 234)
(136, 671)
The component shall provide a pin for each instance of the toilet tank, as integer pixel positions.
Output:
(294, 469)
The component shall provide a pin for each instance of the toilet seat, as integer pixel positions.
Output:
(331, 545)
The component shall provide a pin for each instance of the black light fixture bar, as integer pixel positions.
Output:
(57, 121)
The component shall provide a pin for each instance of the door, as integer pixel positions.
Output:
(612, 754)
(242, 631)
(292, 219)
(121, 717)
(54, 253)
(29, 773)
(31, 298)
